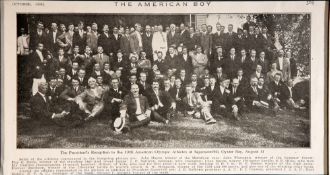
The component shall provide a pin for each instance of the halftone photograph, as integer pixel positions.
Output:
(163, 81)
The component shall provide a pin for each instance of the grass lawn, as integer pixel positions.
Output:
(288, 129)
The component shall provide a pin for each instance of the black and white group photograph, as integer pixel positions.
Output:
(163, 80)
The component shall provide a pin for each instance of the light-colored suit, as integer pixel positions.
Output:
(197, 105)
(135, 41)
(91, 40)
(92, 102)
(286, 70)
(101, 59)
(23, 45)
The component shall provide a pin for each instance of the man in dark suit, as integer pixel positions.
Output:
(177, 93)
(210, 90)
(52, 38)
(242, 61)
(79, 37)
(194, 39)
(147, 43)
(248, 23)
(223, 103)
(251, 63)
(73, 72)
(242, 79)
(160, 63)
(183, 35)
(162, 105)
(230, 38)
(83, 80)
(237, 92)
(276, 89)
(185, 61)
(135, 109)
(115, 41)
(241, 40)
(113, 99)
(263, 62)
(171, 60)
(173, 38)
(252, 96)
(41, 107)
(67, 97)
(218, 38)
(230, 67)
(258, 73)
(125, 43)
(38, 36)
(105, 40)
(142, 83)
(217, 60)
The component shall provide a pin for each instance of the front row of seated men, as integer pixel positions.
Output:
(134, 108)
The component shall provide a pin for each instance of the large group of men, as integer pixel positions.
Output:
(135, 75)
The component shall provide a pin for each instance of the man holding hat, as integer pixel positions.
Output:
(223, 102)
(134, 111)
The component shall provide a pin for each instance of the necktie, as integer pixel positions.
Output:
(234, 91)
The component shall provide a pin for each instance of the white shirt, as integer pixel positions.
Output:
(222, 89)
(173, 33)
(138, 106)
(40, 55)
(185, 56)
(54, 36)
(290, 90)
(280, 61)
(106, 34)
(212, 87)
(81, 32)
(159, 102)
(116, 36)
(98, 72)
(258, 74)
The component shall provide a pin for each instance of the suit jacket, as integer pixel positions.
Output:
(63, 39)
(35, 39)
(173, 91)
(240, 90)
(129, 105)
(53, 46)
(254, 74)
(206, 42)
(222, 99)
(251, 95)
(115, 43)
(276, 88)
(40, 108)
(219, 40)
(164, 98)
(215, 62)
(143, 89)
(192, 41)
(184, 37)
(134, 42)
(125, 45)
(265, 65)
(185, 64)
(251, 66)
(147, 44)
(90, 98)
(209, 93)
(286, 69)
(92, 40)
(37, 66)
(243, 64)
(230, 67)
(172, 62)
(80, 41)
(106, 43)
(196, 102)
(53, 95)
(162, 66)
(230, 40)
(102, 59)
(173, 39)
(51, 67)
(123, 63)
(84, 82)
(65, 62)
(244, 81)
(70, 92)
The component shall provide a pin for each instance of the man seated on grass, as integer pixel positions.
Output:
(223, 103)
(41, 108)
(257, 98)
(91, 100)
(161, 103)
(134, 110)
(196, 107)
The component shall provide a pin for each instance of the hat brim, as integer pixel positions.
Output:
(121, 125)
